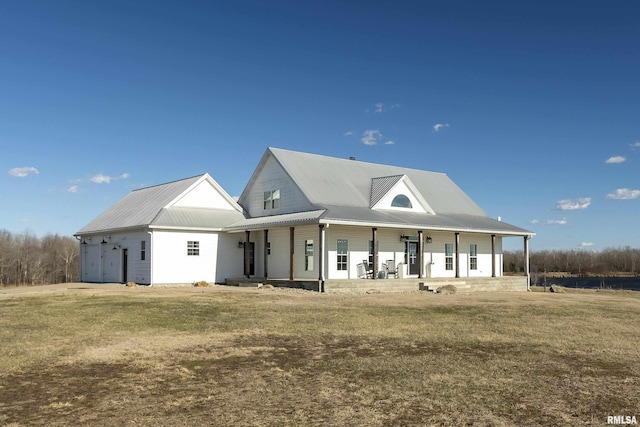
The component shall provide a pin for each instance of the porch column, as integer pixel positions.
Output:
(374, 247)
(420, 253)
(247, 268)
(457, 255)
(291, 252)
(321, 238)
(266, 253)
(526, 261)
(493, 255)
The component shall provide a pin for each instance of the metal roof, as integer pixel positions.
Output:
(415, 220)
(380, 187)
(195, 218)
(149, 207)
(298, 218)
(343, 182)
(344, 191)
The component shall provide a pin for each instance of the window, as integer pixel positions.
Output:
(401, 201)
(473, 256)
(308, 255)
(143, 250)
(271, 199)
(448, 256)
(343, 246)
(193, 248)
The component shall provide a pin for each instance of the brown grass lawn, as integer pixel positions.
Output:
(228, 356)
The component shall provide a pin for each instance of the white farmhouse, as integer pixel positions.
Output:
(304, 220)
(169, 233)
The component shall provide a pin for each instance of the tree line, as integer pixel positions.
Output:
(29, 260)
(579, 262)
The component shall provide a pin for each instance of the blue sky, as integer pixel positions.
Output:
(532, 108)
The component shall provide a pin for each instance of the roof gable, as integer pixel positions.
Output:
(140, 207)
(401, 187)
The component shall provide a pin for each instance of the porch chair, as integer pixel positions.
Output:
(392, 269)
(368, 268)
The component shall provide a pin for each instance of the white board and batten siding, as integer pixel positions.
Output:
(218, 257)
(101, 263)
(273, 177)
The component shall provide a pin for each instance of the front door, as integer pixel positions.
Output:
(412, 258)
(250, 260)
(125, 262)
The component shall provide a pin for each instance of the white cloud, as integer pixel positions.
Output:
(615, 159)
(349, 133)
(389, 142)
(106, 179)
(22, 172)
(371, 137)
(439, 126)
(73, 189)
(572, 205)
(379, 106)
(635, 145)
(102, 179)
(562, 221)
(624, 194)
(586, 244)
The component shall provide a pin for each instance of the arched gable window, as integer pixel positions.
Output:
(401, 201)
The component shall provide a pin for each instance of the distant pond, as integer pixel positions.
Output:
(626, 283)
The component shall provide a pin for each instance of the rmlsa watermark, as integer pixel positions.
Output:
(622, 419)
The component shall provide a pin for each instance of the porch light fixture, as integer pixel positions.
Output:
(240, 244)
(429, 239)
(115, 247)
(103, 241)
(84, 241)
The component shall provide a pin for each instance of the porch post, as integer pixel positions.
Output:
(266, 250)
(526, 262)
(420, 253)
(247, 268)
(457, 255)
(321, 258)
(291, 252)
(374, 267)
(493, 255)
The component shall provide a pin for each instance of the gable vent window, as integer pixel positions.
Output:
(193, 248)
(401, 201)
(271, 199)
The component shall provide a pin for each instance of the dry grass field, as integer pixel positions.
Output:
(228, 356)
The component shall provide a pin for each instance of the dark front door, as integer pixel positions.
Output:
(249, 262)
(412, 257)
(125, 262)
